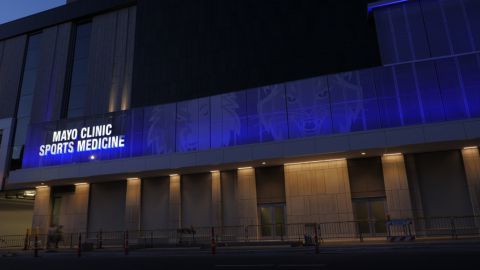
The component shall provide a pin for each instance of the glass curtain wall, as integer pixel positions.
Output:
(79, 70)
(29, 77)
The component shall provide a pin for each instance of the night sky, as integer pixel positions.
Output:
(14, 9)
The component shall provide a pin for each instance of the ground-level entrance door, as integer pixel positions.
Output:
(272, 220)
(371, 215)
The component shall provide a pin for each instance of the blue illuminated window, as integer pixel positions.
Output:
(267, 114)
(391, 114)
(401, 33)
(470, 74)
(353, 101)
(193, 125)
(308, 107)
(449, 27)
(452, 89)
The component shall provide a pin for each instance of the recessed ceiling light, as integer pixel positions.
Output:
(363, 153)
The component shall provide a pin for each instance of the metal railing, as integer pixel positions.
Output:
(300, 233)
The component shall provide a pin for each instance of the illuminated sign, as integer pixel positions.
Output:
(92, 138)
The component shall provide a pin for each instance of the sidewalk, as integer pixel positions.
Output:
(325, 248)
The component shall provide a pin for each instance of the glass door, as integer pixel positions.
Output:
(371, 216)
(272, 220)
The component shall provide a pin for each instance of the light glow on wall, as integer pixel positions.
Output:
(392, 154)
(315, 161)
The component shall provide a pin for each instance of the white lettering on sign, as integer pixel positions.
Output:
(91, 138)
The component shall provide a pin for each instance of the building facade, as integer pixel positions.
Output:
(141, 115)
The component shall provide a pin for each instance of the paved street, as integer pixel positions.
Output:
(416, 256)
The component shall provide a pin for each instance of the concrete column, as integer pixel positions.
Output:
(397, 192)
(216, 199)
(246, 192)
(133, 204)
(42, 209)
(471, 162)
(318, 192)
(174, 208)
(77, 209)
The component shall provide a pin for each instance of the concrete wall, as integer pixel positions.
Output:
(270, 184)
(471, 162)
(318, 192)
(396, 187)
(196, 190)
(15, 216)
(246, 197)
(442, 182)
(155, 203)
(229, 198)
(133, 204)
(414, 185)
(107, 207)
(74, 209)
(216, 199)
(366, 177)
(42, 211)
(174, 203)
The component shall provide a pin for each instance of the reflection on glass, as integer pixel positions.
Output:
(265, 221)
(361, 215)
(32, 59)
(279, 221)
(378, 214)
(79, 79)
(370, 215)
(272, 220)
